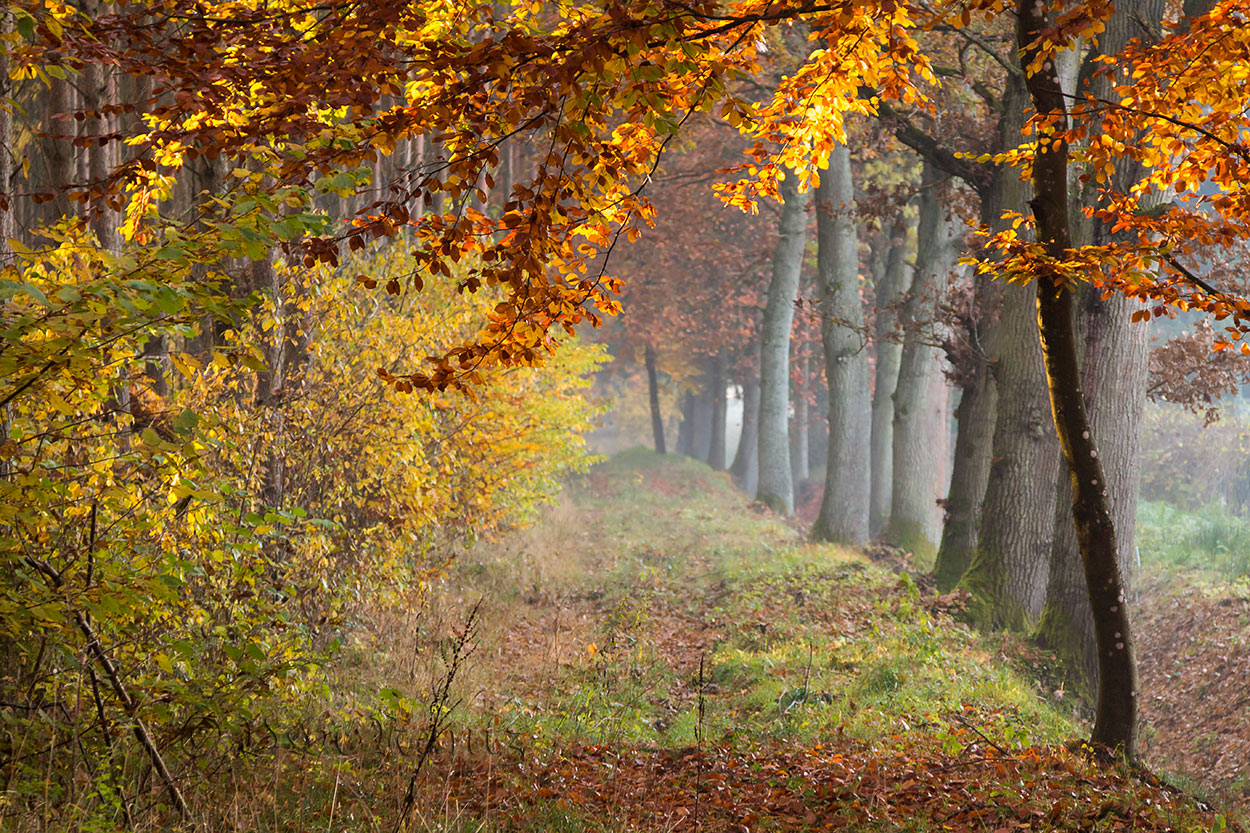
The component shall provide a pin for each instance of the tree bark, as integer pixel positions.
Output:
(800, 468)
(716, 456)
(914, 513)
(8, 163)
(978, 407)
(1009, 563)
(702, 437)
(1007, 576)
(776, 488)
(888, 350)
(974, 435)
(1115, 722)
(653, 395)
(745, 468)
(685, 429)
(844, 507)
(1114, 352)
(56, 156)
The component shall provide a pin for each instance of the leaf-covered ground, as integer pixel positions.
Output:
(659, 655)
(1195, 675)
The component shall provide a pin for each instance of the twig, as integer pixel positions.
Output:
(1194, 279)
(698, 738)
(807, 675)
(119, 689)
(440, 712)
(961, 721)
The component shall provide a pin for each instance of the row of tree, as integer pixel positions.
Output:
(197, 284)
(897, 318)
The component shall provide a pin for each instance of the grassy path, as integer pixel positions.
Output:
(657, 655)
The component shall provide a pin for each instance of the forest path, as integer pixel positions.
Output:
(656, 654)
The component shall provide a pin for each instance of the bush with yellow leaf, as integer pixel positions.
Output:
(201, 495)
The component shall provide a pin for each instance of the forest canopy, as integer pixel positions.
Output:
(296, 300)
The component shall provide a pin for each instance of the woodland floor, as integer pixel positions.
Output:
(1194, 656)
(656, 654)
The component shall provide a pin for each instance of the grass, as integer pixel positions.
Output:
(657, 653)
(1210, 543)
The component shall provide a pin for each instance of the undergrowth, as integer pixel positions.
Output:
(1211, 542)
(658, 654)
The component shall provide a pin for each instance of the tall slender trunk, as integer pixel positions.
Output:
(939, 425)
(913, 503)
(703, 408)
(1008, 570)
(269, 383)
(1115, 361)
(58, 168)
(978, 407)
(818, 428)
(1115, 722)
(745, 468)
(8, 163)
(685, 430)
(844, 507)
(800, 470)
(974, 437)
(888, 350)
(653, 392)
(776, 488)
(99, 91)
(716, 456)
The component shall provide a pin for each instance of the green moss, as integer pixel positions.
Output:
(1056, 632)
(776, 503)
(950, 567)
(908, 535)
(991, 608)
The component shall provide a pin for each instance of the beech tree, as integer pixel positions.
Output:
(919, 449)
(1114, 367)
(891, 284)
(286, 108)
(776, 486)
(844, 506)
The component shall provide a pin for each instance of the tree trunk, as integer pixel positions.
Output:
(974, 438)
(978, 407)
(653, 394)
(685, 429)
(1007, 576)
(844, 507)
(1113, 382)
(1115, 363)
(776, 489)
(1008, 572)
(716, 457)
(745, 469)
(703, 408)
(1115, 722)
(800, 471)
(913, 504)
(818, 427)
(269, 384)
(56, 152)
(888, 349)
(8, 163)
(938, 428)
